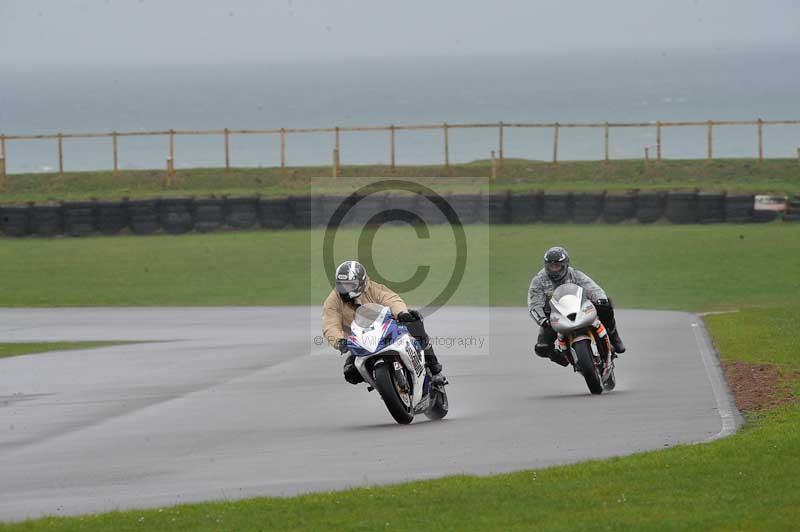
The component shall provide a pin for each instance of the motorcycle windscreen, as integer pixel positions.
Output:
(367, 314)
(567, 299)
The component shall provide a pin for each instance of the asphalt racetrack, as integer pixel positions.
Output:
(226, 403)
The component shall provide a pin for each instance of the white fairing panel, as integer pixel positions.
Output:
(568, 301)
(368, 333)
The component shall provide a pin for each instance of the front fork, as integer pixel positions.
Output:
(601, 346)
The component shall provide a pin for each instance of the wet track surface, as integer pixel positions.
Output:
(226, 403)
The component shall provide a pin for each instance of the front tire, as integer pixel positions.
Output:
(587, 367)
(386, 385)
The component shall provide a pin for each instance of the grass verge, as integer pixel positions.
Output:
(781, 176)
(27, 348)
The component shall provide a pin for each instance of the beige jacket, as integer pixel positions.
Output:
(338, 315)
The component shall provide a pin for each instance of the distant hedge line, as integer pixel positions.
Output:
(182, 215)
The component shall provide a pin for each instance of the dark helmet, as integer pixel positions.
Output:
(351, 280)
(556, 263)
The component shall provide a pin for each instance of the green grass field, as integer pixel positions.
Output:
(745, 482)
(697, 268)
(29, 348)
(735, 175)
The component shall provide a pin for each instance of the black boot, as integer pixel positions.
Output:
(616, 341)
(544, 350)
(433, 364)
(545, 343)
(351, 373)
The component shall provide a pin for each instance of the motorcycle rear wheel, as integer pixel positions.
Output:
(387, 387)
(587, 367)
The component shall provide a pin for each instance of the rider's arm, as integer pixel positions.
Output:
(592, 289)
(332, 320)
(536, 300)
(386, 297)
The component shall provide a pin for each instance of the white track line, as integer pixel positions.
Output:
(731, 418)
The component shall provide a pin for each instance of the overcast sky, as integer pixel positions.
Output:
(41, 33)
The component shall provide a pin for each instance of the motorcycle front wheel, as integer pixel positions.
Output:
(388, 386)
(587, 367)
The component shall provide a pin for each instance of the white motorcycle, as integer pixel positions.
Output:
(393, 362)
(582, 338)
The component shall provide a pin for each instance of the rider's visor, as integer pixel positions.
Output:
(555, 267)
(345, 287)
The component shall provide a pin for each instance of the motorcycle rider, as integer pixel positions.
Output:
(353, 288)
(556, 272)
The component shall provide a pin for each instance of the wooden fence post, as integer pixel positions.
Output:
(446, 147)
(337, 147)
(555, 143)
(336, 162)
(500, 146)
(646, 153)
(227, 150)
(605, 140)
(283, 151)
(494, 166)
(2, 162)
(171, 153)
(760, 140)
(114, 149)
(392, 150)
(60, 154)
(710, 140)
(168, 176)
(658, 140)
(798, 155)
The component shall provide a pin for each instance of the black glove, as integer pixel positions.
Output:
(405, 317)
(410, 316)
(545, 324)
(341, 345)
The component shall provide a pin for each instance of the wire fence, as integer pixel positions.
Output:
(653, 151)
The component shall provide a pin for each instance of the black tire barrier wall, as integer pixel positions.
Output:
(209, 214)
(710, 207)
(793, 210)
(274, 213)
(143, 216)
(181, 215)
(241, 212)
(494, 208)
(79, 217)
(524, 208)
(46, 220)
(682, 207)
(739, 208)
(111, 216)
(619, 208)
(466, 206)
(15, 220)
(175, 215)
(650, 207)
(300, 211)
(587, 207)
(557, 207)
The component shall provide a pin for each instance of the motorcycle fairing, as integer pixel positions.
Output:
(384, 336)
(569, 310)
